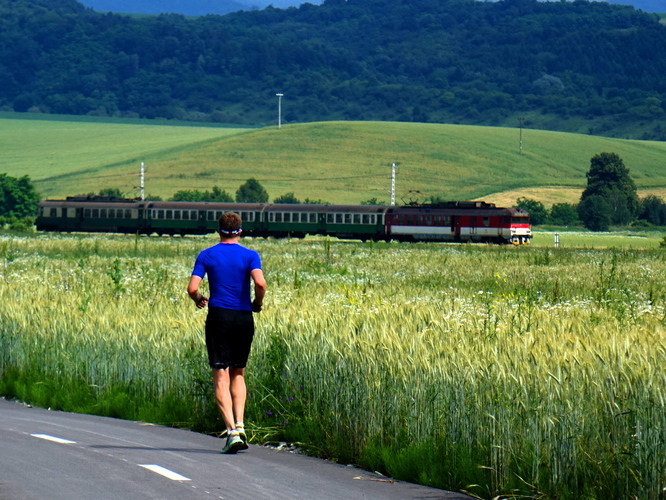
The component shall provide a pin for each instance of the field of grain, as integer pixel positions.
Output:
(549, 195)
(532, 372)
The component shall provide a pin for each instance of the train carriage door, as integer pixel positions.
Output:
(456, 226)
(472, 224)
(321, 223)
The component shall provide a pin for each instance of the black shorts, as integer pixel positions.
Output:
(229, 335)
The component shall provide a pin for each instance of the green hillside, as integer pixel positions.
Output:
(339, 162)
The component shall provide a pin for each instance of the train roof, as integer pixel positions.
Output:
(452, 207)
(459, 208)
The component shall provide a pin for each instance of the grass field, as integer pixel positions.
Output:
(508, 372)
(339, 162)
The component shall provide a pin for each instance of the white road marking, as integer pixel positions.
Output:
(53, 438)
(165, 472)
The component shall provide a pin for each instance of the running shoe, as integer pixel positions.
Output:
(234, 444)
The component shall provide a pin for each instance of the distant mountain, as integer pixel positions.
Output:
(186, 7)
(203, 7)
(646, 5)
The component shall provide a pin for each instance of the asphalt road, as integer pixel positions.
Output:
(55, 455)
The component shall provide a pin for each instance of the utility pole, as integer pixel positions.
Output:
(279, 96)
(393, 167)
(141, 178)
(520, 121)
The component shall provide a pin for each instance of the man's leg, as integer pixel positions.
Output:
(238, 392)
(221, 382)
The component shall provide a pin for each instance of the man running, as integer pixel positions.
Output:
(231, 268)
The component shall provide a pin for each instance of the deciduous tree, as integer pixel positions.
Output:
(251, 192)
(609, 178)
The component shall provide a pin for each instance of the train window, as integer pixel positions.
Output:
(348, 218)
(366, 219)
(338, 218)
(194, 215)
(95, 213)
(160, 214)
(357, 218)
(244, 216)
(186, 214)
(54, 212)
(278, 217)
(271, 217)
(176, 214)
(218, 214)
(86, 212)
(313, 217)
(287, 217)
(210, 215)
(428, 220)
(250, 216)
(102, 213)
(169, 214)
(486, 222)
(71, 213)
(447, 220)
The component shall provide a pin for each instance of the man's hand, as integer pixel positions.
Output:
(256, 306)
(201, 302)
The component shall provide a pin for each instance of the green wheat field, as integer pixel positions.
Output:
(523, 372)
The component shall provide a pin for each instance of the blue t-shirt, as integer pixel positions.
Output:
(228, 266)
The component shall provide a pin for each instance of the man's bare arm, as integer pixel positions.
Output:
(193, 291)
(259, 289)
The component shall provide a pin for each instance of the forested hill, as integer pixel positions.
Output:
(457, 61)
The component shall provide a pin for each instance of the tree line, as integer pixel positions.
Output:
(453, 61)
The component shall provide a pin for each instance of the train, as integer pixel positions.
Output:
(455, 221)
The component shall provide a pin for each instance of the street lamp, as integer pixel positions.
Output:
(279, 96)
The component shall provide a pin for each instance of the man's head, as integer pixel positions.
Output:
(229, 225)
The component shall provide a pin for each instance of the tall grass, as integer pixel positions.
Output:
(527, 372)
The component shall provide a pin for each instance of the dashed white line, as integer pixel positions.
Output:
(53, 438)
(174, 476)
